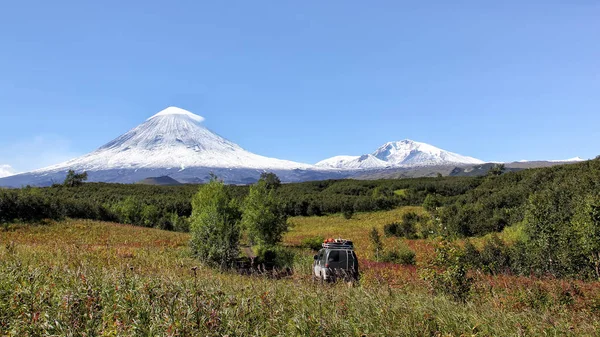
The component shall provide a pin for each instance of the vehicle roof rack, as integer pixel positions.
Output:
(338, 244)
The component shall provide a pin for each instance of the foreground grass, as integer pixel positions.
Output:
(100, 279)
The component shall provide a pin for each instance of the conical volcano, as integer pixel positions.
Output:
(175, 143)
(174, 138)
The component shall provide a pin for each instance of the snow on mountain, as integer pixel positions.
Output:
(571, 160)
(405, 153)
(336, 162)
(411, 153)
(6, 171)
(173, 138)
(171, 143)
(365, 162)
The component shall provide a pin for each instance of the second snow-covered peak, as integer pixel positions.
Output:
(173, 110)
(404, 153)
(410, 153)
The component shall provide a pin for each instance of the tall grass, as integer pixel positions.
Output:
(83, 278)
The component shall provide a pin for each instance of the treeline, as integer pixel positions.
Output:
(554, 214)
(503, 200)
(335, 196)
(168, 207)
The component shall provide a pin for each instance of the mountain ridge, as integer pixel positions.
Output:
(175, 143)
(398, 154)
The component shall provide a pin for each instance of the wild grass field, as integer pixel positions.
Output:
(86, 278)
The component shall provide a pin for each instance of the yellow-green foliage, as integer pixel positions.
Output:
(84, 278)
(400, 193)
(356, 229)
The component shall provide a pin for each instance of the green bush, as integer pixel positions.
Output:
(263, 216)
(348, 212)
(431, 203)
(447, 274)
(215, 226)
(494, 255)
(314, 243)
(179, 223)
(277, 257)
(391, 229)
(407, 228)
(401, 255)
(471, 256)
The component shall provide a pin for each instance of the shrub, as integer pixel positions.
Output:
(314, 243)
(391, 229)
(471, 256)
(400, 255)
(431, 203)
(407, 228)
(149, 216)
(375, 239)
(179, 223)
(275, 257)
(263, 216)
(348, 212)
(214, 226)
(494, 255)
(448, 272)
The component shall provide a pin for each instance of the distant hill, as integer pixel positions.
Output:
(159, 181)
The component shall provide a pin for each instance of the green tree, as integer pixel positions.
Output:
(447, 272)
(431, 203)
(375, 239)
(150, 215)
(75, 179)
(215, 225)
(347, 210)
(586, 223)
(497, 170)
(271, 180)
(549, 234)
(262, 215)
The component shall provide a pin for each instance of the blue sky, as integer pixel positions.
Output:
(304, 80)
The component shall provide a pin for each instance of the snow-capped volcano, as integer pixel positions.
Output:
(173, 138)
(172, 143)
(404, 153)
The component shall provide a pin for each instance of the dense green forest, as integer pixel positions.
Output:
(554, 210)
(160, 206)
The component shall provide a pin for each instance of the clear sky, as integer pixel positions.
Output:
(304, 80)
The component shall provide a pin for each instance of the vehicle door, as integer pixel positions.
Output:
(318, 263)
(352, 263)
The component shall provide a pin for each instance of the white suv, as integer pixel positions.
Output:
(336, 260)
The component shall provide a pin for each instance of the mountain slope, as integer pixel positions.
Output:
(173, 138)
(402, 154)
(172, 143)
(336, 162)
(159, 181)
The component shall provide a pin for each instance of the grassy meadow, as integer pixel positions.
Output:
(87, 278)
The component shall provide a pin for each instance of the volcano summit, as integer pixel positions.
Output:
(173, 142)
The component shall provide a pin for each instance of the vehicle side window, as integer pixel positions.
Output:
(321, 254)
(334, 256)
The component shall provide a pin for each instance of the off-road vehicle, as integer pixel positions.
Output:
(335, 261)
